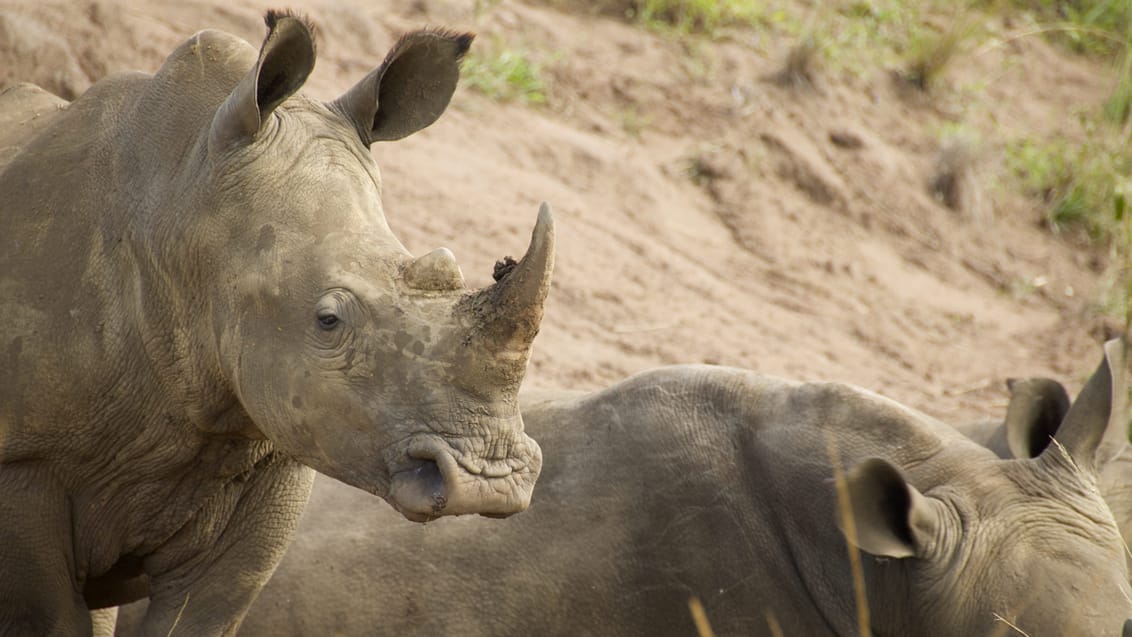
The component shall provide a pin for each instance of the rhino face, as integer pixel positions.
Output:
(360, 361)
(1024, 545)
(1024, 561)
(408, 393)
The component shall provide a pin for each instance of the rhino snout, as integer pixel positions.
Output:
(434, 483)
(419, 493)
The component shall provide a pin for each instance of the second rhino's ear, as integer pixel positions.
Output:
(1037, 407)
(890, 518)
(410, 89)
(285, 61)
(1097, 416)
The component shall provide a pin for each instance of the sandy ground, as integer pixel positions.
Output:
(705, 213)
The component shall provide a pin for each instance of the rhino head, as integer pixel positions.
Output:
(371, 366)
(1006, 541)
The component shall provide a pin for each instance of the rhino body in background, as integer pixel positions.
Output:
(717, 484)
(203, 301)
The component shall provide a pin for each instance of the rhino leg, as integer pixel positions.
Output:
(203, 582)
(37, 556)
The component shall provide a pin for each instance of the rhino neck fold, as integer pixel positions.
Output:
(232, 422)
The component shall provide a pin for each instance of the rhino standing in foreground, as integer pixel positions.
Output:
(717, 484)
(203, 301)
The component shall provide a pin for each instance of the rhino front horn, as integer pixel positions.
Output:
(507, 314)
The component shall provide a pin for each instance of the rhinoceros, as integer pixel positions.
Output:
(204, 303)
(722, 485)
(1036, 409)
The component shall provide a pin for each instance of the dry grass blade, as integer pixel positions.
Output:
(703, 626)
(772, 622)
(845, 510)
(1010, 625)
(177, 619)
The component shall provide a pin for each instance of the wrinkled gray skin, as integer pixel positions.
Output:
(716, 483)
(202, 301)
(1037, 407)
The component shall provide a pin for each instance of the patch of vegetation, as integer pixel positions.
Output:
(1087, 187)
(862, 35)
(505, 74)
(704, 166)
(930, 53)
(1086, 26)
(1083, 185)
(1118, 108)
(953, 181)
(634, 122)
(802, 66)
(700, 16)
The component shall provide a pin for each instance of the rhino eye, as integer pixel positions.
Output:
(328, 321)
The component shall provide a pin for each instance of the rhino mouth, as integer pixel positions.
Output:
(434, 479)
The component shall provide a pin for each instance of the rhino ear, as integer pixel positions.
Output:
(285, 61)
(1037, 407)
(1097, 415)
(890, 517)
(410, 89)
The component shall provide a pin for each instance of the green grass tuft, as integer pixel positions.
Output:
(929, 55)
(1118, 108)
(507, 74)
(1082, 185)
(1088, 188)
(1096, 27)
(698, 16)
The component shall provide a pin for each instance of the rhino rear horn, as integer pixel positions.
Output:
(285, 61)
(410, 89)
(436, 271)
(506, 315)
(1097, 411)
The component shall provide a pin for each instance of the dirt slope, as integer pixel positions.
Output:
(705, 214)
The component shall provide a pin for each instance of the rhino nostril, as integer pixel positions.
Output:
(428, 483)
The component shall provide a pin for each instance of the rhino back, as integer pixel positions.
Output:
(85, 201)
(683, 482)
(100, 365)
(25, 109)
(617, 465)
